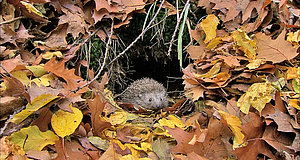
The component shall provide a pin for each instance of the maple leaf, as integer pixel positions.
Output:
(32, 138)
(258, 95)
(276, 50)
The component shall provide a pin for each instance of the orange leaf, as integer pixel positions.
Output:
(58, 68)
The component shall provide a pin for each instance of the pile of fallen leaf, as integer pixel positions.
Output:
(245, 74)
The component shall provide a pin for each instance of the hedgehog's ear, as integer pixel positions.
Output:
(140, 95)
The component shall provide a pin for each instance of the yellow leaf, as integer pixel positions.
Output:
(21, 76)
(32, 138)
(171, 122)
(44, 80)
(35, 105)
(255, 63)
(245, 44)
(295, 103)
(117, 118)
(293, 73)
(37, 71)
(234, 124)
(212, 72)
(209, 25)
(214, 43)
(31, 8)
(258, 95)
(294, 38)
(144, 147)
(49, 55)
(65, 123)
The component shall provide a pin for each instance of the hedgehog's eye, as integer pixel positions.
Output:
(160, 99)
(150, 99)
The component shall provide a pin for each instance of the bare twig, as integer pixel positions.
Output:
(141, 34)
(177, 26)
(11, 20)
(105, 57)
(6, 71)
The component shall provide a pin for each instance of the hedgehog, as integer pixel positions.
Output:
(146, 93)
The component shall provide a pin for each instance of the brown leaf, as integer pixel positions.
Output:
(231, 6)
(231, 61)
(11, 64)
(194, 156)
(196, 52)
(76, 22)
(44, 119)
(71, 150)
(44, 155)
(182, 138)
(197, 92)
(96, 107)
(252, 150)
(276, 50)
(279, 104)
(22, 34)
(279, 140)
(282, 120)
(34, 90)
(57, 38)
(58, 68)
(15, 88)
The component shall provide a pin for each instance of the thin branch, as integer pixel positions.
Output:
(105, 57)
(177, 26)
(141, 34)
(11, 20)
(6, 71)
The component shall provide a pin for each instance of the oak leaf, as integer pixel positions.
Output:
(58, 68)
(276, 50)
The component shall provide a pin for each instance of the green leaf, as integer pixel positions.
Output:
(32, 138)
(179, 48)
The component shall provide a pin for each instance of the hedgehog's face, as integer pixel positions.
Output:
(153, 100)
